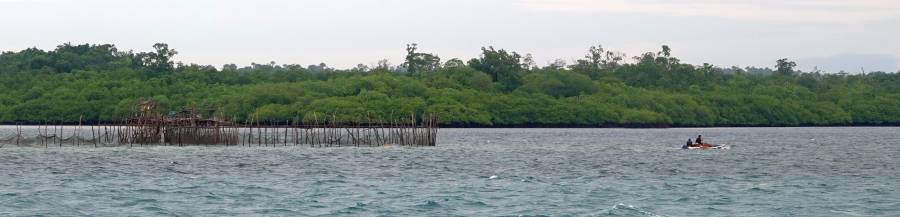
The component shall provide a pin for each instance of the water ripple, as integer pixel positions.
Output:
(475, 172)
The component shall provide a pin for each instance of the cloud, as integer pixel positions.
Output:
(828, 11)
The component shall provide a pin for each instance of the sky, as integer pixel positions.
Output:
(830, 35)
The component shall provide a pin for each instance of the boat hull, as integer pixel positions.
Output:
(705, 146)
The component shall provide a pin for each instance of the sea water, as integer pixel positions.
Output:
(475, 172)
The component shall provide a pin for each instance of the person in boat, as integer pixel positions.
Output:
(689, 143)
(699, 140)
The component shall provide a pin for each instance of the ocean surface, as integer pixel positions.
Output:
(475, 172)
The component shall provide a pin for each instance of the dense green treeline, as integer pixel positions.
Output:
(499, 88)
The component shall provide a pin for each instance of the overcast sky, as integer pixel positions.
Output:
(832, 34)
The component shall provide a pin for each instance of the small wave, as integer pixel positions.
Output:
(149, 191)
(170, 169)
(476, 204)
(254, 188)
(622, 209)
(211, 196)
(191, 187)
(876, 191)
(155, 209)
(758, 189)
(137, 202)
(328, 181)
(429, 204)
(359, 207)
(846, 213)
(275, 211)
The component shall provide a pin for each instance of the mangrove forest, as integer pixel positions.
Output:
(499, 88)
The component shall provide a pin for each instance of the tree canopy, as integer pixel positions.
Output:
(498, 88)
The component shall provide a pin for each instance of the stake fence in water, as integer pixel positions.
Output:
(161, 131)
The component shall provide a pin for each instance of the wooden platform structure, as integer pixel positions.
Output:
(187, 128)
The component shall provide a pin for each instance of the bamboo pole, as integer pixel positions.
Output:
(60, 135)
(287, 123)
(18, 134)
(93, 138)
(315, 129)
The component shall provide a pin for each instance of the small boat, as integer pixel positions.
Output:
(704, 146)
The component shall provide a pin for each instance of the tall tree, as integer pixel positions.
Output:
(597, 59)
(785, 67)
(503, 67)
(420, 62)
(160, 60)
